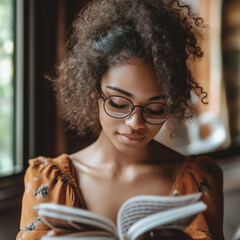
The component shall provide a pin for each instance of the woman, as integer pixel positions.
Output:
(126, 71)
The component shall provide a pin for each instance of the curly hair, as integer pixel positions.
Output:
(106, 33)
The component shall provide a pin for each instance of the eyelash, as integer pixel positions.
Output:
(113, 104)
(159, 112)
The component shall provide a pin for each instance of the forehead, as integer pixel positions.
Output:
(136, 78)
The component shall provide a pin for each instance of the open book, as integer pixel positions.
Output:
(136, 216)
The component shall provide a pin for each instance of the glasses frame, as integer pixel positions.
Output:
(104, 99)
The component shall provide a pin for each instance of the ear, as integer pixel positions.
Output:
(95, 94)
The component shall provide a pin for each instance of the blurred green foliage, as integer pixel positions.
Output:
(6, 84)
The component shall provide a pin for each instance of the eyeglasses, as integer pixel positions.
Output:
(120, 107)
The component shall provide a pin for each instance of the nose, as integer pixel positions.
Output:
(135, 120)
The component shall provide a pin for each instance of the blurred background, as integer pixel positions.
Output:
(32, 39)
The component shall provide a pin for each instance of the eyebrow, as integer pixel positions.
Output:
(130, 95)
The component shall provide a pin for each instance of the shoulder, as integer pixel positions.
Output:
(45, 169)
(202, 165)
(51, 178)
(41, 162)
(51, 167)
(47, 180)
(203, 174)
(200, 173)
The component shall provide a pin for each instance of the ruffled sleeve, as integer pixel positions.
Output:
(202, 174)
(46, 180)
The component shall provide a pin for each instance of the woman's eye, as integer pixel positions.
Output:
(118, 106)
(156, 112)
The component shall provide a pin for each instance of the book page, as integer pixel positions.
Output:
(68, 218)
(139, 207)
(177, 218)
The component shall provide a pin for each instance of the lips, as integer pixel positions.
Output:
(131, 138)
(132, 135)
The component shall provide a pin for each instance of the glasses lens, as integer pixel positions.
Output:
(117, 107)
(155, 113)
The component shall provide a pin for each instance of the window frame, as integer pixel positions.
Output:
(18, 86)
(12, 184)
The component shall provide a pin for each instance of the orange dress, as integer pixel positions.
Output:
(52, 180)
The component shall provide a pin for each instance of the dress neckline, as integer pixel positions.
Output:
(73, 175)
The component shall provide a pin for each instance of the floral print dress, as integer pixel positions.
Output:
(53, 180)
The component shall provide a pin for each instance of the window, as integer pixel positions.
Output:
(11, 86)
(6, 86)
(12, 129)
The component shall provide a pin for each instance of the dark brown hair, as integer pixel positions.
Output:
(106, 33)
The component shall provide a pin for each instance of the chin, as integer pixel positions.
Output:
(128, 150)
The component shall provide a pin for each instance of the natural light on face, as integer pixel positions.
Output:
(6, 85)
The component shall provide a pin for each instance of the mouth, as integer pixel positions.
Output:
(131, 138)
